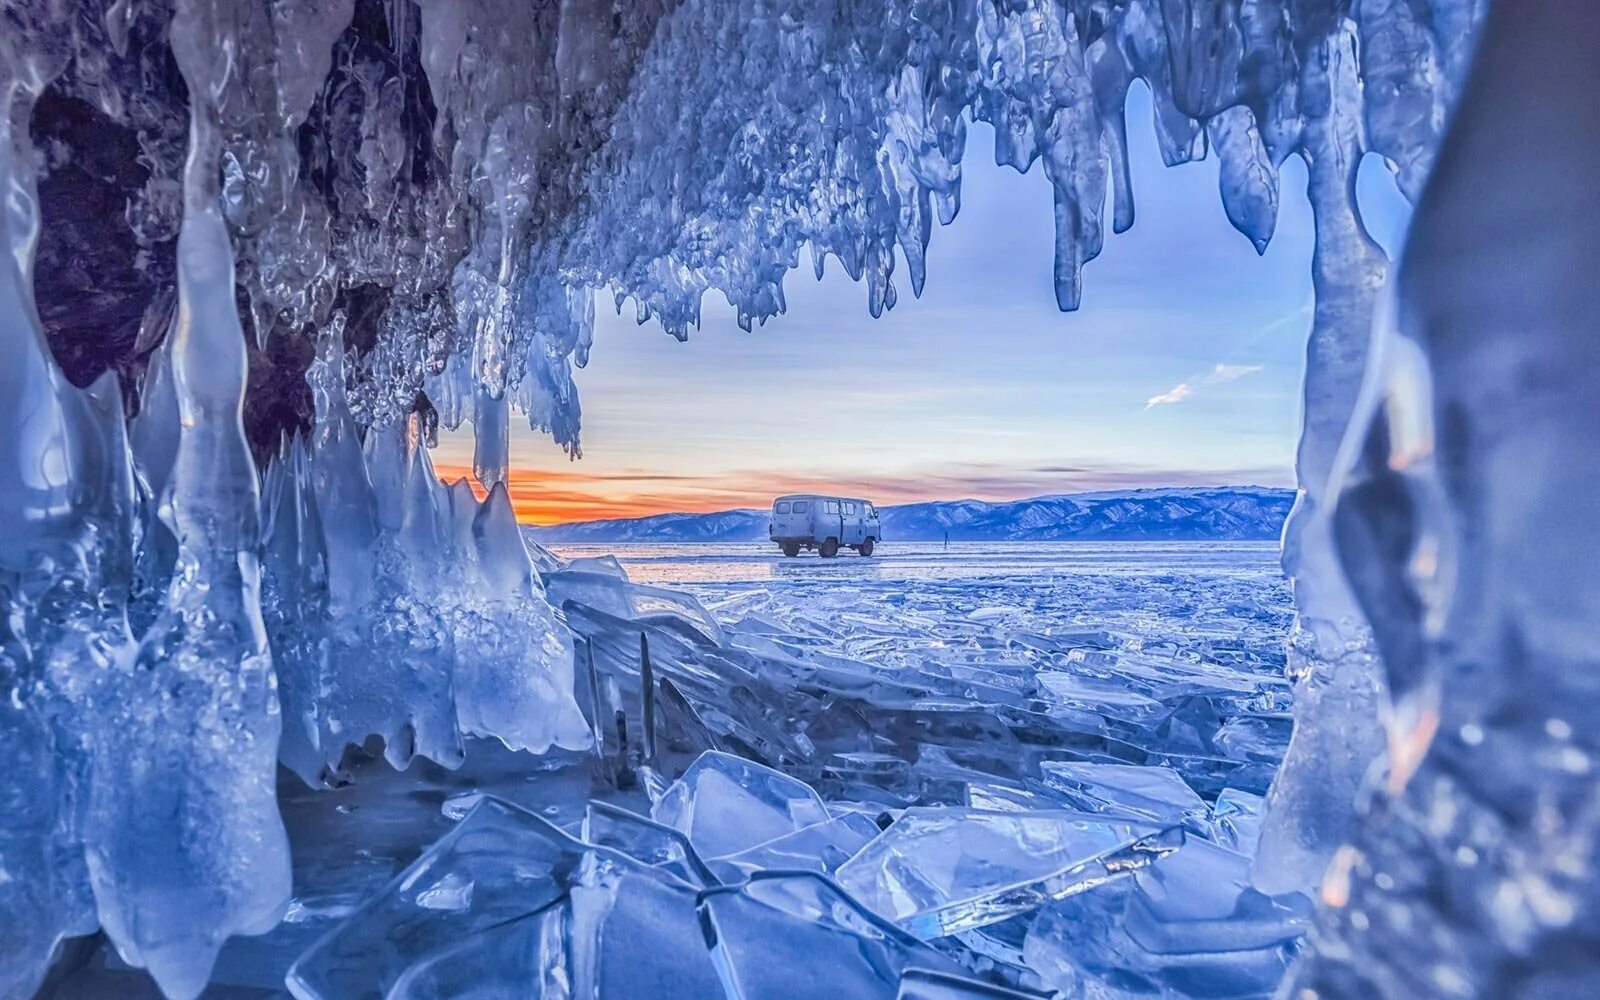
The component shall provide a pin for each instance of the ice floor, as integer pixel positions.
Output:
(1033, 768)
(690, 566)
(1223, 602)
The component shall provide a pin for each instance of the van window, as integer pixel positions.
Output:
(830, 507)
(801, 506)
(870, 510)
(781, 507)
(849, 508)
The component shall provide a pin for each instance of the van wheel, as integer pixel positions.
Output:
(791, 550)
(830, 548)
(866, 547)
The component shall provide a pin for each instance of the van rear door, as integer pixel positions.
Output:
(790, 519)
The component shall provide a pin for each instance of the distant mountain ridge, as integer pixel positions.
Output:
(1173, 514)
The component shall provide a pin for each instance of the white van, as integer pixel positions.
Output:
(809, 521)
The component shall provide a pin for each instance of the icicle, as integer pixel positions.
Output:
(1249, 178)
(1403, 100)
(491, 429)
(1331, 659)
(185, 844)
(1109, 70)
(65, 573)
(294, 607)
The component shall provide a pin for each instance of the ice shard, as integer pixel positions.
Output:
(506, 903)
(939, 871)
(778, 922)
(1189, 925)
(1155, 795)
(725, 805)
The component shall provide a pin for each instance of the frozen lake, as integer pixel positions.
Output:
(1214, 607)
(920, 675)
(691, 564)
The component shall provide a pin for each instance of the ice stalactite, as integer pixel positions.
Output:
(491, 434)
(67, 491)
(411, 609)
(1337, 735)
(1467, 525)
(1385, 83)
(184, 841)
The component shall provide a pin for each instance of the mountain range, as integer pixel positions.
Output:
(1220, 513)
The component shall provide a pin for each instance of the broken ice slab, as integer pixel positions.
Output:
(726, 804)
(1154, 794)
(1201, 899)
(621, 933)
(1068, 692)
(1188, 926)
(596, 582)
(944, 870)
(499, 864)
(868, 777)
(921, 984)
(997, 797)
(704, 695)
(1259, 738)
(674, 605)
(646, 841)
(797, 936)
(504, 901)
(820, 847)
(1235, 820)
(600, 582)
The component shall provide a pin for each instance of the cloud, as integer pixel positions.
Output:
(1227, 373)
(1216, 375)
(1176, 394)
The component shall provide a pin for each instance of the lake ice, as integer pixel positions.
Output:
(1013, 766)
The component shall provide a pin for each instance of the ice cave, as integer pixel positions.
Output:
(259, 252)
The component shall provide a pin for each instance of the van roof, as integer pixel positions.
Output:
(818, 496)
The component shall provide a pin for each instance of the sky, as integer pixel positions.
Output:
(1182, 367)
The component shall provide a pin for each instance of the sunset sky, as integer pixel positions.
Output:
(1182, 367)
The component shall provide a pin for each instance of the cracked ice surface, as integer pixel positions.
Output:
(904, 843)
(889, 818)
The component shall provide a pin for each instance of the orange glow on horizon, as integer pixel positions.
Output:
(562, 495)
(550, 497)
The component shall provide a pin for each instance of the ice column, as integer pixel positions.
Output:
(1470, 528)
(46, 557)
(185, 844)
(491, 429)
(1336, 735)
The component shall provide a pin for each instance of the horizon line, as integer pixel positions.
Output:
(545, 500)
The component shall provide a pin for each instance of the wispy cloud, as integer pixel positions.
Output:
(1215, 375)
(1176, 394)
